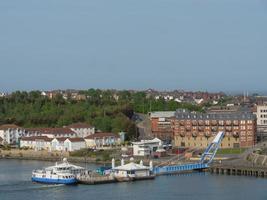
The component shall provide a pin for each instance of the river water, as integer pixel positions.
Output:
(15, 183)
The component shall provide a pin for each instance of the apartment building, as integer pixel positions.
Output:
(161, 124)
(192, 129)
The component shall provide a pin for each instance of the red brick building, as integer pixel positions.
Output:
(161, 124)
(193, 129)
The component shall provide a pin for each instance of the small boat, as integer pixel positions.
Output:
(63, 173)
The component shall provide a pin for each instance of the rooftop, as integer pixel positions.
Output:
(131, 167)
(79, 125)
(8, 126)
(34, 138)
(101, 135)
(185, 114)
(51, 130)
(160, 114)
(62, 139)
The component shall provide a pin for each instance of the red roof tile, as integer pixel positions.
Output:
(76, 139)
(34, 138)
(53, 131)
(61, 139)
(8, 126)
(102, 135)
(79, 125)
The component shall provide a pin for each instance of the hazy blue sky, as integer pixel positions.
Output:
(133, 44)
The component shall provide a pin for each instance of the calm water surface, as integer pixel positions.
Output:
(15, 183)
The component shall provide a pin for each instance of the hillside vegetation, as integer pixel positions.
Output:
(100, 108)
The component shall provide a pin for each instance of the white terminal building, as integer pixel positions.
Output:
(146, 147)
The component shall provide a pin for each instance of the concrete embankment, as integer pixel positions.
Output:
(239, 170)
(252, 165)
(44, 156)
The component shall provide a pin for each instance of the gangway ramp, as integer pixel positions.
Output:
(206, 158)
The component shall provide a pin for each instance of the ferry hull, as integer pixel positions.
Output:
(54, 181)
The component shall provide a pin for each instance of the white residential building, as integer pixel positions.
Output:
(82, 130)
(50, 132)
(99, 140)
(146, 147)
(57, 144)
(36, 142)
(74, 144)
(10, 133)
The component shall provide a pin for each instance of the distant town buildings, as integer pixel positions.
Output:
(184, 96)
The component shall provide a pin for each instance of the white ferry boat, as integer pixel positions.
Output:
(63, 173)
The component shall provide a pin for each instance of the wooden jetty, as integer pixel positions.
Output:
(239, 170)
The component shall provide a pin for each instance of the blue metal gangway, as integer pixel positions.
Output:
(206, 158)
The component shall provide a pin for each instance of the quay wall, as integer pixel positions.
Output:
(42, 155)
(239, 170)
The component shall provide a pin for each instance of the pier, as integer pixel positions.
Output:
(93, 179)
(239, 170)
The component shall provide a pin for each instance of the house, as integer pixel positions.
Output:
(36, 142)
(82, 129)
(10, 133)
(57, 144)
(99, 140)
(29, 132)
(50, 132)
(146, 147)
(74, 144)
(67, 144)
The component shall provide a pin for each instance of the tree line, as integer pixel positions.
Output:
(104, 109)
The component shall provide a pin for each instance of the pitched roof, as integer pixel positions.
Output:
(34, 138)
(163, 114)
(101, 135)
(76, 139)
(62, 139)
(53, 131)
(131, 166)
(8, 126)
(79, 125)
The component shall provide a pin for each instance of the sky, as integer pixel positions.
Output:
(204, 45)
